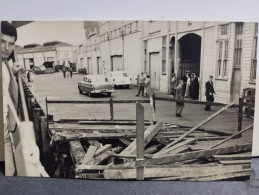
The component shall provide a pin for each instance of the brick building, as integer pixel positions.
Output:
(226, 50)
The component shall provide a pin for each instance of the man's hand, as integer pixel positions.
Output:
(17, 67)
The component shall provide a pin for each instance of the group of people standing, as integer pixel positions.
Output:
(188, 87)
(67, 70)
(143, 81)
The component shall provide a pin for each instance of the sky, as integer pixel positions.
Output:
(71, 32)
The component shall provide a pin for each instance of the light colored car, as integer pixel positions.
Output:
(95, 84)
(119, 78)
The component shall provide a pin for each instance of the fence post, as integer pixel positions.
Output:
(140, 141)
(153, 106)
(240, 114)
(111, 108)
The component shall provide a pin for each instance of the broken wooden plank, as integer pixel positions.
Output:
(152, 149)
(167, 150)
(242, 156)
(235, 162)
(169, 172)
(199, 154)
(76, 151)
(125, 141)
(58, 136)
(149, 133)
(101, 158)
(229, 175)
(180, 149)
(199, 125)
(89, 155)
(94, 143)
(103, 149)
(233, 136)
(110, 123)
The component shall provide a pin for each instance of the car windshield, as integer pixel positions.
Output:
(119, 74)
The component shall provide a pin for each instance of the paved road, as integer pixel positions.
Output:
(55, 87)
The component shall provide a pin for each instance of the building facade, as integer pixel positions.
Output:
(34, 55)
(225, 50)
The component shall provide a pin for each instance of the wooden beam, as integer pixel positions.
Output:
(199, 125)
(149, 133)
(110, 123)
(233, 136)
(89, 155)
(228, 175)
(167, 150)
(95, 101)
(101, 158)
(103, 149)
(198, 154)
(170, 172)
(77, 152)
(140, 141)
(187, 101)
(243, 156)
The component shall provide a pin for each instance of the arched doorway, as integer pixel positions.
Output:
(189, 54)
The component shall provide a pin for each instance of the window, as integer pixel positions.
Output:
(254, 55)
(238, 52)
(163, 55)
(239, 28)
(224, 29)
(222, 60)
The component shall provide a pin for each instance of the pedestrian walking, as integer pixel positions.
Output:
(147, 86)
(209, 93)
(71, 72)
(179, 96)
(141, 80)
(29, 76)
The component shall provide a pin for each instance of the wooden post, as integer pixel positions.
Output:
(140, 141)
(240, 114)
(47, 112)
(36, 122)
(44, 136)
(111, 109)
(153, 106)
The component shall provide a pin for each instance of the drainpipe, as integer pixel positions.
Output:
(176, 47)
(201, 60)
(168, 58)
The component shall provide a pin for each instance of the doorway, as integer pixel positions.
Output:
(154, 64)
(189, 54)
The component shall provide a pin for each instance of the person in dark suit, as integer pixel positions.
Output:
(209, 93)
(195, 87)
(179, 96)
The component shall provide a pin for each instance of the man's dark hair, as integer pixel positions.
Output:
(8, 29)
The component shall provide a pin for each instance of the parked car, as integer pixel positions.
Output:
(95, 84)
(119, 78)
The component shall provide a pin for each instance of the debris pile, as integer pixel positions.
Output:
(97, 151)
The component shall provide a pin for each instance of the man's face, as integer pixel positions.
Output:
(211, 78)
(7, 45)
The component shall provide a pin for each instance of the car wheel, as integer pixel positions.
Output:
(80, 91)
(109, 94)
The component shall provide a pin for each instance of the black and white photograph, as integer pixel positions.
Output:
(129, 99)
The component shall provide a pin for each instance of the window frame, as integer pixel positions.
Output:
(254, 55)
(222, 59)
